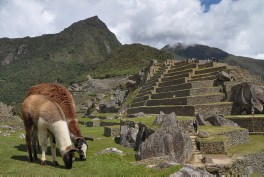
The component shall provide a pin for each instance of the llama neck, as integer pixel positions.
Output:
(61, 132)
(74, 129)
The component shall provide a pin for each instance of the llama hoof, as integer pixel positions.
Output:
(43, 162)
(55, 163)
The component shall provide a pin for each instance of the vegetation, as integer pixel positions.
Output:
(13, 151)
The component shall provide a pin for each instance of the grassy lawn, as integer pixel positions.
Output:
(14, 159)
(255, 144)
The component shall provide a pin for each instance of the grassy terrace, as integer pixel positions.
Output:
(244, 116)
(215, 132)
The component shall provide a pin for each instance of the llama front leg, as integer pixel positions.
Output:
(43, 141)
(53, 149)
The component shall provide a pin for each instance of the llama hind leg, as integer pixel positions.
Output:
(35, 142)
(53, 149)
(29, 129)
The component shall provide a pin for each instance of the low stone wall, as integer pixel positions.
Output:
(232, 138)
(204, 99)
(252, 124)
(111, 132)
(208, 147)
(236, 137)
(248, 164)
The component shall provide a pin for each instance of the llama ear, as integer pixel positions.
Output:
(89, 138)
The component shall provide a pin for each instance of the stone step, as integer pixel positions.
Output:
(211, 64)
(211, 77)
(137, 104)
(146, 89)
(150, 84)
(177, 76)
(182, 68)
(186, 92)
(204, 75)
(171, 74)
(189, 100)
(181, 110)
(173, 82)
(224, 108)
(189, 85)
(143, 98)
(208, 70)
(144, 93)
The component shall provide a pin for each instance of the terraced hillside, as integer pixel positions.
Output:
(186, 88)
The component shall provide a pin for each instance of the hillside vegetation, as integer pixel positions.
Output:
(87, 47)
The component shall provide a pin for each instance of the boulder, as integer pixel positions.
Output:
(169, 140)
(139, 114)
(200, 119)
(248, 98)
(159, 118)
(224, 76)
(217, 120)
(190, 171)
(203, 134)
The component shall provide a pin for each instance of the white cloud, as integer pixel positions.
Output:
(233, 26)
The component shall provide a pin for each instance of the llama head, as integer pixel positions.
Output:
(68, 157)
(82, 147)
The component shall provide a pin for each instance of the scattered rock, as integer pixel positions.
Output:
(203, 134)
(224, 76)
(159, 118)
(217, 120)
(207, 160)
(21, 136)
(162, 165)
(139, 114)
(200, 119)
(7, 127)
(112, 150)
(188, 171)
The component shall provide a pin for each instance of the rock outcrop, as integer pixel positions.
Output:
(169, 141)
(217, 120)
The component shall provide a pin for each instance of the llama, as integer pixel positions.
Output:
(48, 120)
(61, 95)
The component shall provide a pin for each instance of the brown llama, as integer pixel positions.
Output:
(47, 119)
(61, 95)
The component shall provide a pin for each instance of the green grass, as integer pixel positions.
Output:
(244, 116)
(215, 132)
(255, 144)
(14, 159)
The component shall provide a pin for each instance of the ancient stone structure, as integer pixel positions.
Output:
(190, 88)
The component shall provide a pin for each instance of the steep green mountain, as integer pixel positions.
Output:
(86, 47)
(205, 52)
(64, 57)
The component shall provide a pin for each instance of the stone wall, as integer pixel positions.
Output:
(208, 147)
(236, 137)
(208, 110)
(111, 131)
(231, 138)
(252, 124)
(248, 164)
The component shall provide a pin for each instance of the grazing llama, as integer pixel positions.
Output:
(61, 95)
(47, 119)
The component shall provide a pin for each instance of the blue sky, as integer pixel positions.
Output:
(208, 3)
(235, 26)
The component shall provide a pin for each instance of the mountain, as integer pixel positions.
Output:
(205, 52)
(85, 47)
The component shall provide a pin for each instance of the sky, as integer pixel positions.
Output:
(235, 26)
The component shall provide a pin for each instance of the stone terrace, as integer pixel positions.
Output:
(185, 88)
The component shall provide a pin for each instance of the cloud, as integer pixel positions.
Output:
(233, 26)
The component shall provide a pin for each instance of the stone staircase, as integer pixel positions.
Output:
(196, 160)
(184, 88)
